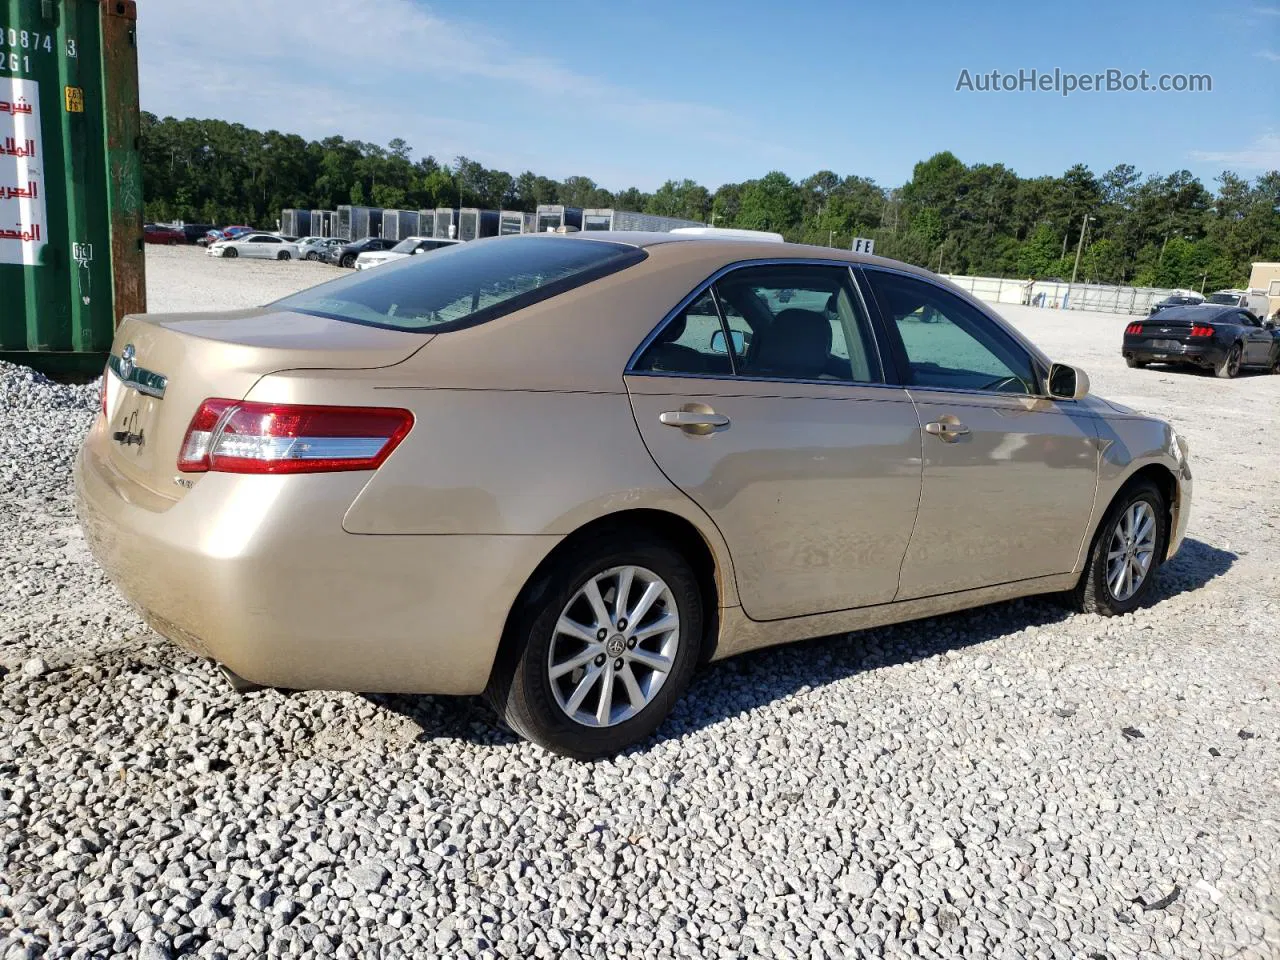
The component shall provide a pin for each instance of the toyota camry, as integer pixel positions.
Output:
(562, 471)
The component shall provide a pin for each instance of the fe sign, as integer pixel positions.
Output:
(863, 245)
(23, 225)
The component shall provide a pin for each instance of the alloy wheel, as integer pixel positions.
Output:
(1131, 550)
(614, 646)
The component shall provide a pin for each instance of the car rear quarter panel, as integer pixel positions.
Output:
(504, 463)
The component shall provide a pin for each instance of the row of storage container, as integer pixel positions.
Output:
(467, 223)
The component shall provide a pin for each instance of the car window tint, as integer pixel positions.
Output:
(804, 323)
(948, 343)
(689, 343)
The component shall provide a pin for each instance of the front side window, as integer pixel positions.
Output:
(775, 322)
(950, 345)
(465, 283)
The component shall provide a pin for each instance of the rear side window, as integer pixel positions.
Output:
(466, 283)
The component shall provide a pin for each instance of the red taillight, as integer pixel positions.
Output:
(227, 436)
(1133, 328)
(1199, 330)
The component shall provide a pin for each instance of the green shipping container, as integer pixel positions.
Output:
(71, 260)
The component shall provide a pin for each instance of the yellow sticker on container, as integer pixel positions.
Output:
(75, 100)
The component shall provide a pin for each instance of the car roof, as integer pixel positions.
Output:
(732, 247)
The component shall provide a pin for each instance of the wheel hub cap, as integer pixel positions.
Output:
(614, 646)
(1131, 550)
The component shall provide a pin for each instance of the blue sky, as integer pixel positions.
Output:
(633, 92)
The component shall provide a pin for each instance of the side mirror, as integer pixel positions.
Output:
(1067, 382)
(718, 344)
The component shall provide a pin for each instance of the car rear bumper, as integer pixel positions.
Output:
(1206, 354)
(257, 573)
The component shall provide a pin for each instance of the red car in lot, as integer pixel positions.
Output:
(156, 233)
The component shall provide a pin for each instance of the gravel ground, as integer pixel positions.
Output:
(1009, 782)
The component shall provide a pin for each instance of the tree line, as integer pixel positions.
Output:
(984, 219)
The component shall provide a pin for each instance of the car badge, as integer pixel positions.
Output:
(126, 361)
(1165, 329)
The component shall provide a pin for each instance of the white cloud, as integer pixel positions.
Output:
(1269, 55)
(1262, 154)
(373, 71)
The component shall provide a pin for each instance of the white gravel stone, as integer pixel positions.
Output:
(958, 787)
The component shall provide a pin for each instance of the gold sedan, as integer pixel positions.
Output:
(562, 470)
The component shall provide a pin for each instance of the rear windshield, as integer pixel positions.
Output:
(465, 283)
(1230, 299)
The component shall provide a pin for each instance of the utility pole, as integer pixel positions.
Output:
(1084, 226)
(831, 235)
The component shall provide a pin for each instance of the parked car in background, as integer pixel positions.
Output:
(160, 233)
(315, 248)
(263, 246)
(345, 254)
(194, 231)
(408, 247)
(630, 456)
(229, 233)
(1175, 300)
(1255, 301)
(1221, 338)
(211, 236)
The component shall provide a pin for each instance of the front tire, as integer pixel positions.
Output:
(1126, 551)
(1230, 365)
(313, 256)
(602, 647)
(230, 253)
(284, 255)
(348, 261)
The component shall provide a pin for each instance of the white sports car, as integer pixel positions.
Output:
(405, 248)
(264, 246)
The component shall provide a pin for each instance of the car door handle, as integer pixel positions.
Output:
(692, 418)
(946, 431)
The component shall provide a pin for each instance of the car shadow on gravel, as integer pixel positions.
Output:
(730, 687)
(748, 681)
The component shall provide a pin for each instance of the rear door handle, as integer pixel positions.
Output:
(946, 431)
(691, 418)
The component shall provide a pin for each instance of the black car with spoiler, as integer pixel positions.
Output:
(1221, 338)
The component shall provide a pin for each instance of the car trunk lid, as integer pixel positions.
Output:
(1175, 329)
(163, 366)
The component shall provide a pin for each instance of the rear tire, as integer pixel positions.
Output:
(313, 256)
(1230, 365)
(541, 707)
(230, 253)
(1102, 588)
(1134, 364)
